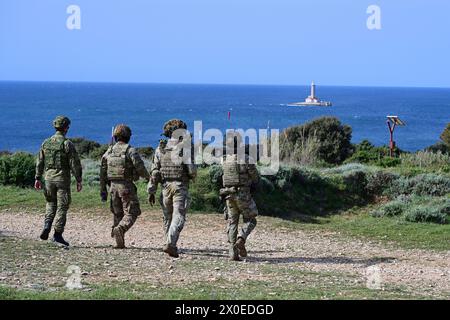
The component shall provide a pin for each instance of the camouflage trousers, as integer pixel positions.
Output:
(174, 202)
(57, 195)
(240, 203)
(124, 204)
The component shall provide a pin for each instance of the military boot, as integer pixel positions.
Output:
(119, 235)
(234, 254)
(240, 246)
(46, 231)
(171, 250)
(57, 237)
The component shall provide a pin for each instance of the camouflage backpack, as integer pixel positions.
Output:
(234, 174)
(169, 169)
(55, 155)
(118, 166)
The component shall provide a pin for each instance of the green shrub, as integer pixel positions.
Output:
(84, 146)
(146, 152)
(426, 159)
(390, 209)
(17, 169)
(348, 167)
(323, 139)
(265, 186)
(422, 184)
(445, 136)
(91, 171)
(99, 152)
(356, 182)
(438, 147)
(388, 162)
(215, 174)
(5, 153)
(380, 181)
(426, 214)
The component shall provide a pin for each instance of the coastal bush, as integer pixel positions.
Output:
(5, 153)
(91, 172)
(84, 146)
(356, 182)
(380, 181)
(146, 152)
(422, 184)
(388, 162)
(436, 161)
(414, 208)
(367, 153)
(17, 169)
(390, 209)
(445, 135)
(426, 213)
(99, 152)
(439, 146)
(323, 139)
(204, 194)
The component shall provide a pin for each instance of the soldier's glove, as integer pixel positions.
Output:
(104, 196)
(151, 199)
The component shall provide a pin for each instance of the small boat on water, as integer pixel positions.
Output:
(312, 100)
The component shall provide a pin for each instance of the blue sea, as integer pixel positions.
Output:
(28, 108)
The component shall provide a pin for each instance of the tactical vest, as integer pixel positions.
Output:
(234, 174)
(169, 169)
(55, 154)
(119, 167)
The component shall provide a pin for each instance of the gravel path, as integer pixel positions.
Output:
(273, 252)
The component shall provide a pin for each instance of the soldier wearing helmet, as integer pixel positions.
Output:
(56, 161)
(239, 175)
(173, 171)
(121, 165)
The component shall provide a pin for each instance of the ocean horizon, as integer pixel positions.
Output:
(28, 107)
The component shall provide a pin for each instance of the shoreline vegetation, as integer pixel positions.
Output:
(324, 181)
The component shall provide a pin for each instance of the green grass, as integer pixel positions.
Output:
(89, 198)
(221, 290)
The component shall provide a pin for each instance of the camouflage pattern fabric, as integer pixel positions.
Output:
(134, 165)
(174, 199)
(174, 202)
(124, 204)
(57, 176)
(240, 203)
(62, 171)
(58, 199)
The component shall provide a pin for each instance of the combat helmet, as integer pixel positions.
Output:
(172, 125)
(122, 132)
(61, 122)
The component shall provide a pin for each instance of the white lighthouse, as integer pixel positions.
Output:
(312, 100)
(313, 90)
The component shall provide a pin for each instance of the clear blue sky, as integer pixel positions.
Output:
(228, 41)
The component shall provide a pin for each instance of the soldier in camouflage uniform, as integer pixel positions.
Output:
(238, 178)
(56, 160)
(174, 178)
(120, 166)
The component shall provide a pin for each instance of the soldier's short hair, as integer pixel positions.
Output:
(172, 125)
(122, 133)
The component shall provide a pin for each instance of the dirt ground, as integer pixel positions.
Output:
(275, 253)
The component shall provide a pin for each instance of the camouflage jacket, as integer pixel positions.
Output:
(62, 174)
(155, 172)
(135, 159)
